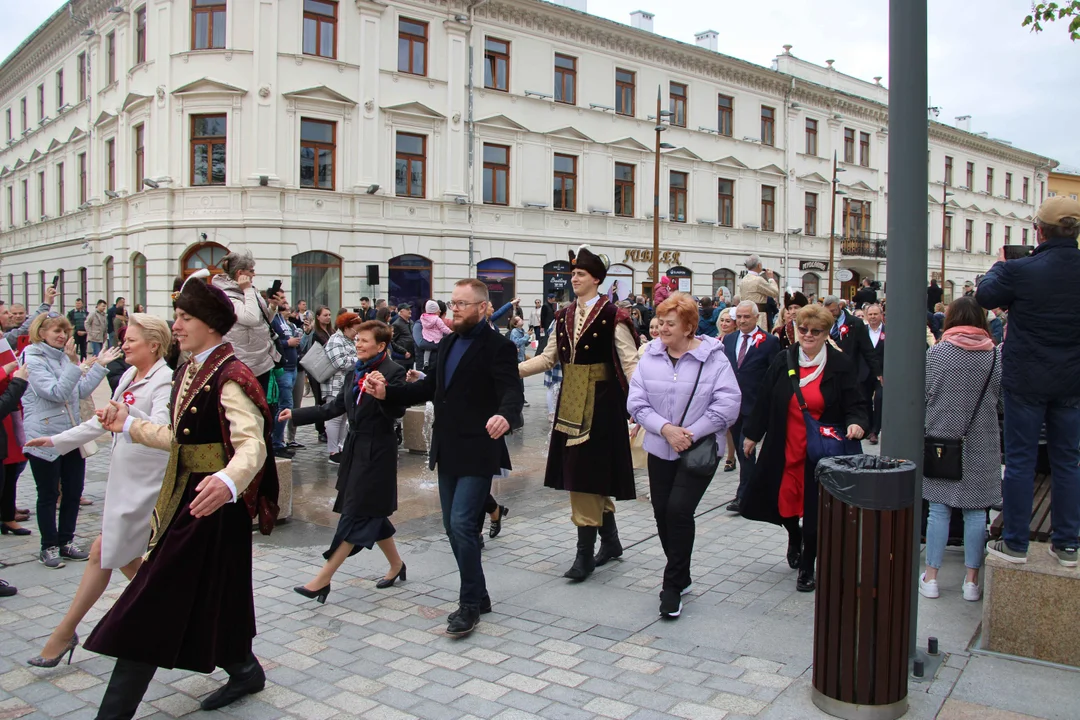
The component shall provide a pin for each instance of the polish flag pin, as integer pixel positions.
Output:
(129, 398)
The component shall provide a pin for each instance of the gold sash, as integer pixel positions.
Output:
(183, 461)
(577, 402)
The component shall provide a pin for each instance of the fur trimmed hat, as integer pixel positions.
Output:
(205, 302)
(795, 299)
(588, 261)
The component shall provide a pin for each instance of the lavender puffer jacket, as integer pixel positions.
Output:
(659, 394)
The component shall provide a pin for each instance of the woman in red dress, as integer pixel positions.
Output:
(784, 488)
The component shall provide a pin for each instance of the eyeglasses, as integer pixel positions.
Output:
(455, 304)
(815, 332)
(53, 315)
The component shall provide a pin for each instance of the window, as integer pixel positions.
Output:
(1023, 235)
(970, 176)
(500, 277)
(1008, 234)
(496, 175)
(948, 170)
(110, 58)
(625, 90)
(1008, 186)
(725, 106)
(1024, 191)
(22, 109)
(320, 28)
(497, 64)
(317, 151)
(724, 278)
(677, 196)
(768, 125)
(677, 101)
(316, 277)
(411, 159)
(140, 158)
(565, 79)
(204, 255)
(81, 63)
(138, 279)
(565, 197)
(412, 47)
(41, 101)
(725, 190)
(110, 164)
(864, 149)
(140, 35)
(26, 200)
(59, 88)
(207, 24)
(811, 284)
(624, 189)
(83, 189)
(768, 207)
(989, 181)
(811, 137)
(11, 206)
(26, 289)
(8, 116)
(208, 138)
(856, 218)
(810, 223)
(409, 280)
(41, 193)
(849, 145)
(59, 189)
(989, 237)
(947, 238)
(969, 232)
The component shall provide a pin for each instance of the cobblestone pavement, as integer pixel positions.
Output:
(550, 649)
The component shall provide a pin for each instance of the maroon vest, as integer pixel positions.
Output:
(596, 344)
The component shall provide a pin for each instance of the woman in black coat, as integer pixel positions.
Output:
(367, 476)
(834, 397)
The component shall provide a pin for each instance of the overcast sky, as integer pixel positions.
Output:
(1016, 86)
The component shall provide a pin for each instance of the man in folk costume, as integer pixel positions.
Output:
(589, 454)
(191, 606)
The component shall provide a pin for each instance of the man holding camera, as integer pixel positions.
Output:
(1039, 380)
(758, 286)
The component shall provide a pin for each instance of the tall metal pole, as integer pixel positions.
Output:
(905, 407)
(656, 202)
(832, 225)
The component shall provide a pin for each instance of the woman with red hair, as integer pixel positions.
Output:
(341, 349)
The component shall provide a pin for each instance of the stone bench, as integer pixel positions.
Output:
(1030, 610)
(413, 431)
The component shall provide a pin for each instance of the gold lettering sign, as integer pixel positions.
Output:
(667, 257)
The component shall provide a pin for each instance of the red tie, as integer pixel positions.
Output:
(742, 350)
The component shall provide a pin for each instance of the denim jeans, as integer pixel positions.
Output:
(95, 348)
(64, 474)
(285, 401)
(937, 535)
(1023, 421)
(462, 499)
(746, 462)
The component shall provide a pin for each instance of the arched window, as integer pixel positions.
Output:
(409, 281)
(621, 278)
(204, 255)
(108, 274)
(499, 276)
(316, 278)
(60, 289)
(84, 289)
(811, 285)
(723, 278)
(138, 279)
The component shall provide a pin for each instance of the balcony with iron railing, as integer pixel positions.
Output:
(862, 243)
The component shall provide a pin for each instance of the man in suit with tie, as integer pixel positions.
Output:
(875, 329)
(850, 335)
(750, 351)
(476, 392)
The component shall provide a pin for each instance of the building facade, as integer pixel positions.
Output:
(1064, 182)
(362, 147)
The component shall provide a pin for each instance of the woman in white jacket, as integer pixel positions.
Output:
(250, 336)
(135, 474)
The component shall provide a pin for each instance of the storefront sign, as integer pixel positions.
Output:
(646, 256)
(844, 275)
(682, 277)
(819, 265)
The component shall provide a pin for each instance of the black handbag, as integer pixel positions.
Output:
(943, 458)
(702, 458)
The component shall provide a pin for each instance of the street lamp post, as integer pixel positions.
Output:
(832, 219)
(660, 114)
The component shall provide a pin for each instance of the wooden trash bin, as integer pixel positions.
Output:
(862, 614)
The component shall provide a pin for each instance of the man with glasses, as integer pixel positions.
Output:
(475, 391)
(850, 335)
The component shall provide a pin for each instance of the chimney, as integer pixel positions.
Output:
(642, 20)
(963, 122)
(707, 39)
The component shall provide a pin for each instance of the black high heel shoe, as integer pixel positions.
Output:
(319, 595)
(389, 582)
(5, 530)
(496, 525)
(43, 662)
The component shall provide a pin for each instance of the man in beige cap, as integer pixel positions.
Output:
(758, 286)
(1043, 337)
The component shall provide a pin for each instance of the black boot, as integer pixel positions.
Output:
(584, 563)
(610, 547)
(126, 689)
(794, 548)
(245, 679)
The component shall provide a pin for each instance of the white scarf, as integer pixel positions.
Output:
(818, 363)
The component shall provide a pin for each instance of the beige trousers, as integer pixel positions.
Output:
(587, 509)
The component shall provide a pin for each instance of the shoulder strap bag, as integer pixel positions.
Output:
(90, 448)
(943, 458)
(316, 363)
(822, 440)
(700, 459)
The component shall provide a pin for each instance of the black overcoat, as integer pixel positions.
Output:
(845, 405)
(367, 475)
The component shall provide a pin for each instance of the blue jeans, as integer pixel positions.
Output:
(66, 474)
(95, 348)
(462, 499)
(937, 535)
(285, 401)
(746, 462)
(1023, 423)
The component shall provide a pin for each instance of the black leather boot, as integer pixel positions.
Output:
(610, 547)
(584, 563)
(126, 689)
(245, 679)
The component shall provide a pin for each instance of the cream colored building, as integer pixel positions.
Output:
(425, 141)
(1064, 182)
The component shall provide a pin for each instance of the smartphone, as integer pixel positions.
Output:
(275, 287)
(1015, 252)
(55, 280)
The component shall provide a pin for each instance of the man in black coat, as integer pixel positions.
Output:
(750, 351)
(865, 295)
(850, 335)
(476, 392)
(934, 294)
(547, 314)
(403, 345)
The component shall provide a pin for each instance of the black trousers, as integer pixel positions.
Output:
(806, 536)
(316, 392)
(747, 463)
(9, 477)
(675, 497)
(80, 345)
(873, 391)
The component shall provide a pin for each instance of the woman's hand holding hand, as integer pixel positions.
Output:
(748, 446)
(854, 432)
(678, 438)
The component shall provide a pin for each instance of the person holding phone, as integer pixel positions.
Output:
(250, 336)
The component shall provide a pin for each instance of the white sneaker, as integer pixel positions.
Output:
(972, 592)
(928, 588)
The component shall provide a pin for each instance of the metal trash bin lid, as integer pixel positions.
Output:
(868, 481)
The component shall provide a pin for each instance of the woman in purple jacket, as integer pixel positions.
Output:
(683, 389)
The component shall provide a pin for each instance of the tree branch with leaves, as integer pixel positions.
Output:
(1053, 12)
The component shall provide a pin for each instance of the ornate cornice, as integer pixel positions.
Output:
(986, 146)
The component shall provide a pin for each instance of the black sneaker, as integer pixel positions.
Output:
(335, 459)
(670, 603)
(295, 445)
(322, 438)
(284, 453)
(464, 622)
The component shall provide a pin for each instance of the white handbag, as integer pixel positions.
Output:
(316, 363)
(89, 448)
